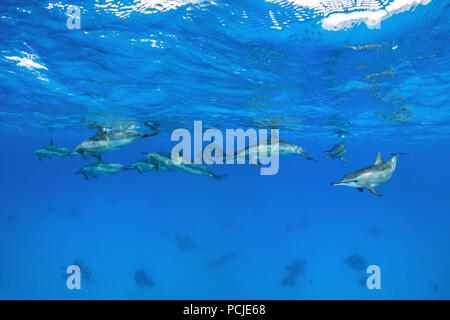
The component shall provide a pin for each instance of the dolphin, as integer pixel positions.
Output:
(284, 148)
(106, 141)
(372, 176)
(164, 161)
(52, 151)
(161, 160)
(101, 168)
(337, 152)
(142, 166)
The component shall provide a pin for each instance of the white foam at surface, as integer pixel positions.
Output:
(342, 14)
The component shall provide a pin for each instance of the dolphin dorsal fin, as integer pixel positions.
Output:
(100, 132)
(51, 142)
(379, 158)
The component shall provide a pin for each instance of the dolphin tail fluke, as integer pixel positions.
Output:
(153, 126)
(398, 154)
(373, 191)
(215, 176)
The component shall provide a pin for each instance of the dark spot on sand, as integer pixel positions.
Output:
(294, 270)
(48, 211)
(214, 264)
(299, 225)
(355, 262)
(186, 243)
(86, 274)
(13, 218)
(142, 279)
(373, 231)
(75, 213)
(363, 282)
(434, 287)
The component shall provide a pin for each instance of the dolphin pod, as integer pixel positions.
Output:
(109, 140)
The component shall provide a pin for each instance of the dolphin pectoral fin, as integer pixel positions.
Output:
(360, 189)
(373, 191)
(84, 156)
(86, 177)
(139, 170)
(343, 159)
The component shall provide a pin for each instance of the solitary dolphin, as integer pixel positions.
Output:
(105, 141)
(372, 176)
(142, 166)
(52, 151)
(284, 148)
(164, 161)
(337, 152)
(101, 168)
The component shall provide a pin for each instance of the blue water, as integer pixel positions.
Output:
(231, 64)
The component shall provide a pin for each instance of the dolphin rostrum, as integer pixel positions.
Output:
(52, 151)
(106, 141)
(372, 176)
(101, 168)
(337, 152)
(164, 161)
